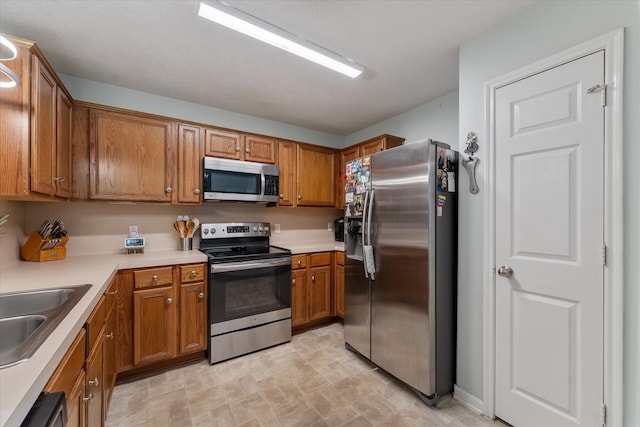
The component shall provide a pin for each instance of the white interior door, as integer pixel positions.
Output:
(550, 233)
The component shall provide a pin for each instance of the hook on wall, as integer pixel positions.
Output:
(470, 163)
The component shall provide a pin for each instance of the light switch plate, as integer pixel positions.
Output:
(276, 228)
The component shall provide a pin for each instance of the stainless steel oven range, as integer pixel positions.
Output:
(249, 289)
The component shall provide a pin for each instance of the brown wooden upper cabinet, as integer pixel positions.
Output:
(190, 152)
(238, 146)
(35, 118)
(306, 174)
(365, 148)
(131, 157)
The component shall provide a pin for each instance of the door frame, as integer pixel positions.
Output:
(613, 45)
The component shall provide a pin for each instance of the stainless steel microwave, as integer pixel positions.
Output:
(238, 181)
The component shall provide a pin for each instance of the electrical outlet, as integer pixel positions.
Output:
(329, 226)
(133, 231)
(277, 228)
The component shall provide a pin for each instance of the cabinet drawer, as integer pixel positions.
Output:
(298, 261)
(95, 322)
(153, 277)
(340, 258)
(192, 273)
(319, 258)
(65, 375)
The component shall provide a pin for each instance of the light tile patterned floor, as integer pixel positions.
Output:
(312, 381)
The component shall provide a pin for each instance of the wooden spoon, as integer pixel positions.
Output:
(190, 228)
(182, 229)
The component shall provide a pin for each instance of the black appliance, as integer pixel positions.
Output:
(249, 289)
(338, 229)
(50, 410)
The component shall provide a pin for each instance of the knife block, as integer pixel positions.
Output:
(31, 249)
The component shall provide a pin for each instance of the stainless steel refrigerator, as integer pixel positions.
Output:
(400, 264)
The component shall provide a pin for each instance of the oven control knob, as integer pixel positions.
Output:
(261, 229)
(266, 228)
(213, 231)
(255, 229)
(205, 231)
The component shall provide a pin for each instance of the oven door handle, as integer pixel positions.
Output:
(239, 266)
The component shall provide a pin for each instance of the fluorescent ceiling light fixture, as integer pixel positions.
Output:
(223, 14)
(8, 53)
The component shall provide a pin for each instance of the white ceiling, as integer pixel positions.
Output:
(409, 50)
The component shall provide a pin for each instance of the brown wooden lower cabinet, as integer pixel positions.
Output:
(76, 403)
(193, 309)
(310, 288)
(94, 383)
(154, 312)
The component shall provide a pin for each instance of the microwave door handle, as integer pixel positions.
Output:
(262, 184)
(240, 266)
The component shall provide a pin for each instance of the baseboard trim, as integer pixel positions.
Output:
(467, 400)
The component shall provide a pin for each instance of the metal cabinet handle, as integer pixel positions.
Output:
(299, 261)
(281, 196)
(248, 150)
(154, 277)
(299, 196)
(196, 191)
(168, 189)
(238, 148)
(313, 278)
(58, 179)
(169, 300)
(193, 273)
(201, 295)
(505, 271)
(88, 398)
(94, 382)
(112, 293)
(109, 336)
(293, 281)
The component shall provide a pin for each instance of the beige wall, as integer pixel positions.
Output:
(100, 227)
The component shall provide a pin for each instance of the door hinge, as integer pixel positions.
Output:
(603, 91)
(603, 413)
(603, 254)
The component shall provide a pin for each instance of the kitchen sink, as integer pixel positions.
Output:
(27, 318)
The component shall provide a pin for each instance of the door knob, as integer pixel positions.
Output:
(505, 271)
(201, 295)
(169, 300)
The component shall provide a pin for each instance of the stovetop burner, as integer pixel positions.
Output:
(238, 242)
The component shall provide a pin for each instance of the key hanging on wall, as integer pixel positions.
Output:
(470, 163)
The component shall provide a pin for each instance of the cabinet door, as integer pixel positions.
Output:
(287, 152)
(64, 108)
(339, 291)
(109, 362)
(75, 402)
(43, 129)
(259, 149)
(190, 155)
(346, 156)
(124, 321)
(193, 318)
(131, 157)
(154, 323)
(298, 297)
(315, 176)
(94, 387)
(319, 293)
(371, 147)
(219, 143)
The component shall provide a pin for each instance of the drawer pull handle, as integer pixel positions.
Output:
(313, 278)
(194, 273)
(169, 300)
(201, 295)
(154, 277)
(293, 281)
(299, 261)
(168, 189)
(238, 148)
(109, 336)
(88, 398)
(94, 382)
(248, 150)
(112, 293)
(196, 191)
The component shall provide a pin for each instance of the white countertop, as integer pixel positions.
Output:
(20, 385)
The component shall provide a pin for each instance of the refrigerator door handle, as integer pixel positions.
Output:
(362, 230)
(369, 257)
